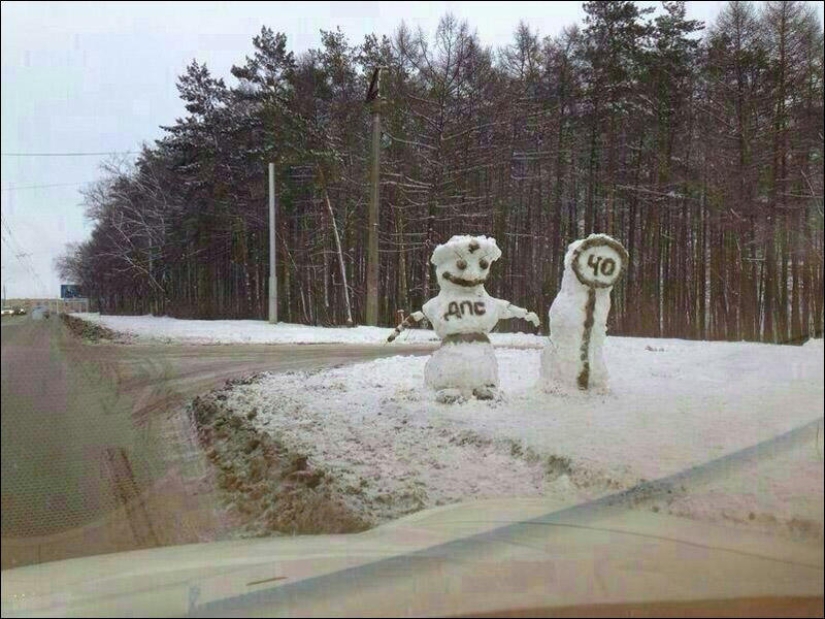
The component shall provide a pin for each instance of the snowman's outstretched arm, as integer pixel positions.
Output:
(514, 311)
(410, 320)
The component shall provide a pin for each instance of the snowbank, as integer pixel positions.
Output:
(156, 328)
(674, 404)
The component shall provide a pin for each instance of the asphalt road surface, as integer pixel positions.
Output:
(98, 455)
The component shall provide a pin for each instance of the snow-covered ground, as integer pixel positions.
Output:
(673, 404)
(165, 329)
(391, 449)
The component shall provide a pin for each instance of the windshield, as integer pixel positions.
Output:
(275, 271)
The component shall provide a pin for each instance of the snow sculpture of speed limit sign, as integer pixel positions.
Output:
(578, 317)
(462, 314)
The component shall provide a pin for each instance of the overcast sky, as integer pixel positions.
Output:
(89, 77)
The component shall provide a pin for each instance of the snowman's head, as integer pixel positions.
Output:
(463, 262)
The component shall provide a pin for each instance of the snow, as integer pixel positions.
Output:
(455, 247)
(462, 367)
(463, 308)
(165, 329)
(563, 359)
(393, 449)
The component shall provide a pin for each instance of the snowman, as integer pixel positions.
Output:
(572, 358)
(462, 315)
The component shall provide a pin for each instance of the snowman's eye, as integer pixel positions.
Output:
(483, 263)
(461, 264)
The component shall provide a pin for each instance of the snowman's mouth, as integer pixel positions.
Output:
(458, 281)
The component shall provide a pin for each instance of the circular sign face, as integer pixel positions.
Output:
(599, 261)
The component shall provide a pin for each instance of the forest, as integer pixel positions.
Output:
(698, 146)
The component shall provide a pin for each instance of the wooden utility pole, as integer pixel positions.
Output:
(273, 258)
(376, 101)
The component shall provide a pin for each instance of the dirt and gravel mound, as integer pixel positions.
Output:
(90, 331)
(269, 488)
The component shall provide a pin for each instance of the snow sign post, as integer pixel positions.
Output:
(578, 316)
(599, 262)
(462, 315)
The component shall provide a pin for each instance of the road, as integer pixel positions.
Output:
(97, 453)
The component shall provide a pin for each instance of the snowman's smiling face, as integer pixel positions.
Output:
(464, 266)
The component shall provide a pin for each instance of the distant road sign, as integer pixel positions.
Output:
(71, 291)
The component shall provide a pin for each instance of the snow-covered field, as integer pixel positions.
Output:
(391, 449)
(388, 448)
(165, 329)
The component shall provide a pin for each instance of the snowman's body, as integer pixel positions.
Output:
(573, 357)
(462, 319)
(561, 359)
(462, 315)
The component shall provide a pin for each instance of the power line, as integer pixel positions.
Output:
(125, 152)
(23, 257)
